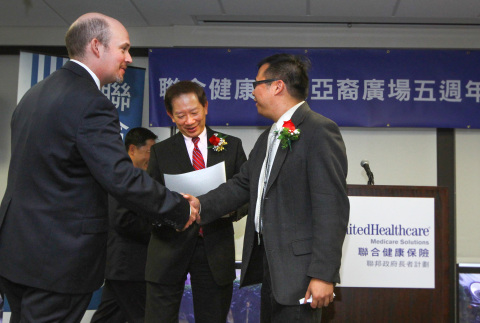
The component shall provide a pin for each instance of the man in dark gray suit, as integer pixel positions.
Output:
(67, 155)
(295, 180)
(207, 253)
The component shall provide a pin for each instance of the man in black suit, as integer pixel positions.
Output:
(208, 252)
(295, 180)
(67, 155)
(124, 291)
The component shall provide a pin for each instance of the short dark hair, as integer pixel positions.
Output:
(184, 87)
(291, 69)
(82, 32)
(138, 137)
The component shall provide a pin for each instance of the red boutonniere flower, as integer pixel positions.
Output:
(218, 142)
(288, 134)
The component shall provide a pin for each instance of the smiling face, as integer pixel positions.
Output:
(116, 56)
(189, 114)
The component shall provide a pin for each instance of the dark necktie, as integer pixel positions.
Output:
(198, 163)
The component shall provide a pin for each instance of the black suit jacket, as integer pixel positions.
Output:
(67, 154)
(306, 207)
(169, 252)
(127, 245)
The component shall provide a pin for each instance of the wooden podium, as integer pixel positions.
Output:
(377, 305)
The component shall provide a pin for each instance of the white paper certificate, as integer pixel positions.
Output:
(197, 182)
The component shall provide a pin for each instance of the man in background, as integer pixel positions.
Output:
(295, 180)
(207, 252)
(66, 157)
(124, 291)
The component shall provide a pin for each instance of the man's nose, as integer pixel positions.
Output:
(128, 58)
(190, 119)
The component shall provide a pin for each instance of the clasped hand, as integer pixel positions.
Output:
(194, 210)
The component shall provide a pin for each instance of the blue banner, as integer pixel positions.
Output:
(353, 87)
(128, 98)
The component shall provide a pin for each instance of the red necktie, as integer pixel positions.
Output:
(197, 158)
(198, 163)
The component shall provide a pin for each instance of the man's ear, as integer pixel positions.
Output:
(131, 149)
(171, 117)
(279, 87)
(206, 107)
(95, 47)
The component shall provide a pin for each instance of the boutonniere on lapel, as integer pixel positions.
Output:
(218, 142)
(288, 134)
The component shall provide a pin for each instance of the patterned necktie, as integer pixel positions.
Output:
(197, 157)
(263, 180)
(269, 161)
(198, 163)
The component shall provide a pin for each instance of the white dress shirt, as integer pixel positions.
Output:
(202, 145)
(278, 126)
(97, 80)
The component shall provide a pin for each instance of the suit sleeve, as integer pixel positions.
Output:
(229, 196)
(128, 224)
(330, 205)
(99, 144)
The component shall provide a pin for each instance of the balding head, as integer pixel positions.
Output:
(84, 29)
(102, 44)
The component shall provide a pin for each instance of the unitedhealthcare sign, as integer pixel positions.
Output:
(392, 230)
(390, 243)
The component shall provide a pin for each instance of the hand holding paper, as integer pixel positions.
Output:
(321, 293)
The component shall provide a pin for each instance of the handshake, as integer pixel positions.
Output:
(194, 210)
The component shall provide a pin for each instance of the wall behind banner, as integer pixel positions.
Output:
(397, 156)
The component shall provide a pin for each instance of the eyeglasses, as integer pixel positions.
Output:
(263, 81)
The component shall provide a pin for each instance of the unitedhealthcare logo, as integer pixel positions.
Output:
(392, 230)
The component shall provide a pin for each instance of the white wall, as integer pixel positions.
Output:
(467, 164)
(308, 36)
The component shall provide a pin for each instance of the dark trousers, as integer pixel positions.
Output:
(273, 312)
(122, 301)
(211, 302)
(29, 304)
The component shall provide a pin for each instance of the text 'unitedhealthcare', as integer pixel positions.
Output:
(393, 230)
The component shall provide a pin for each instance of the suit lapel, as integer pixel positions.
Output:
(180, 153)
(297, 120)
(214, 157)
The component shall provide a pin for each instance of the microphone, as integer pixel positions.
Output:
(364, 163)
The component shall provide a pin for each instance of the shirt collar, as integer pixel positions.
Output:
(95, 78)
(287, 115)
(202, 136)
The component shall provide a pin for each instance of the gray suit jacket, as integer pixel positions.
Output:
(306, 207)
(67, 154)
